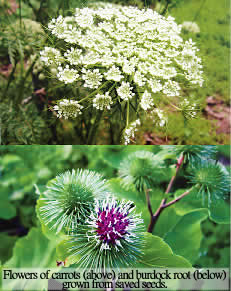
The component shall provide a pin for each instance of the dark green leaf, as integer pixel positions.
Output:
(185, 237)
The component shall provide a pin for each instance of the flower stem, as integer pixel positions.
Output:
(127, 119)
(178, 165)
(94, 92)
(178, 198)
(163, 204)
(174, 106)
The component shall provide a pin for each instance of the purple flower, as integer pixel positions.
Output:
(111, 238)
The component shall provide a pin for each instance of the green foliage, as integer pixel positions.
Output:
(183, 236)
(40, 255)
(158, 254)
(215, 245)
(7, 244)
(21, 38)
(219, 210)
(7, 210)
(159, 5)
(17, 191)
(224, 150)
(23, 125)
(32, 251)
(213, 41)
(180, 132)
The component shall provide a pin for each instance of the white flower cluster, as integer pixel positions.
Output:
(92, 78)
(67, 75)
(189, 110)
(191, 26)
(125, 91)
(126, 41)
(129, 49)
(129, 132)
(51, 56)
(102, 102)
(68, 109)
(146, 101)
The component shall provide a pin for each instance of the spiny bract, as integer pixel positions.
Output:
(141, 169)
(212, 178)
(192, 153)
(112, 237)
(69, 198)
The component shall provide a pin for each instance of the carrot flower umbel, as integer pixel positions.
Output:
(121, 56)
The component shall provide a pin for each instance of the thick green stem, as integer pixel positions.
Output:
(93, 129)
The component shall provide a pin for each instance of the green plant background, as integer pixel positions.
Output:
(185, 232)
(25, 118)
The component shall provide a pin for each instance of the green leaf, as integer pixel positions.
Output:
(64, 255)
(33, 251)
(219, 212)
(185, 237)
(113, 157)
(224, 260)
(166, 221)
(62, 251)
(224, 150)
(10, 159)
(164, 224)
(6, 246)
(130, 193)
(158, 254)
(189, 203)
(27, 215)
(7, 210)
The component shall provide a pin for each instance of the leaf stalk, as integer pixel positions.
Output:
(163, 204)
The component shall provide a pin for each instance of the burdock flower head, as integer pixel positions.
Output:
(111, 237)
(141, 169)
(192, 153)
(69, 199)
(212, 179)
